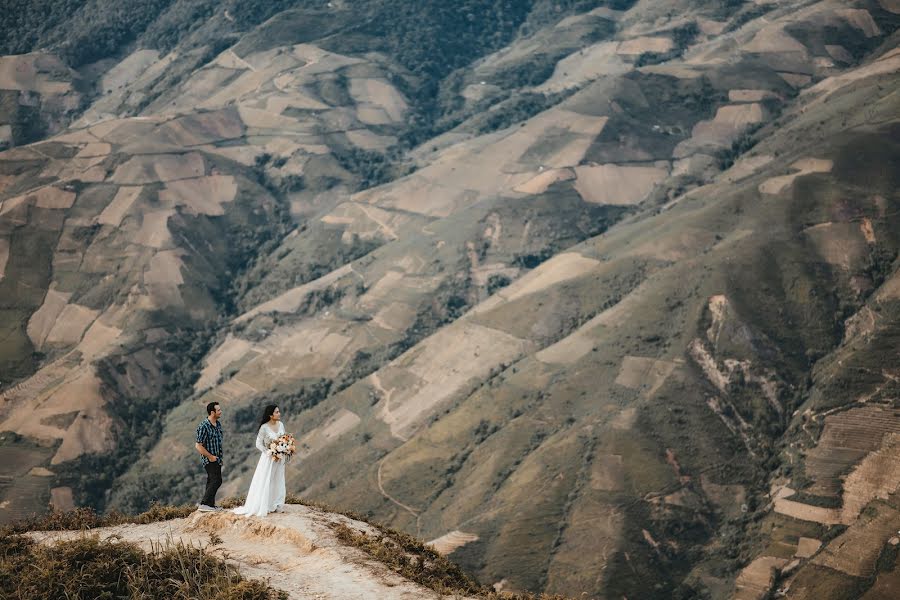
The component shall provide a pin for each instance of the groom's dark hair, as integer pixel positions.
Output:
(211, 407)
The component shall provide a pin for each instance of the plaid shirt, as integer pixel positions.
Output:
(210, 436)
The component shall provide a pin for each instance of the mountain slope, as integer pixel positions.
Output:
(620, 325)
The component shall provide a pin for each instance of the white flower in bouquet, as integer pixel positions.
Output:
(283, 447)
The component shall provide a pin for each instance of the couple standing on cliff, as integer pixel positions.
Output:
(267, 489)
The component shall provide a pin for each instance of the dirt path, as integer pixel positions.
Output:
(295, 551)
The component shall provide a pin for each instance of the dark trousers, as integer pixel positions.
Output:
(213, 481)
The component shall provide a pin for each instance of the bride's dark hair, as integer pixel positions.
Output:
(267, 413)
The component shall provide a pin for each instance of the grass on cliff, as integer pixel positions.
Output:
(88, 568)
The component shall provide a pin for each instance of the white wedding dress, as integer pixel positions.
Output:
(267, 490)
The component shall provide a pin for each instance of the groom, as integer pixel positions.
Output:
(209, 445)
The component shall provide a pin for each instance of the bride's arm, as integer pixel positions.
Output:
(260, 440)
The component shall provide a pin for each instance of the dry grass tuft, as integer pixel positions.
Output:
(82, 519)
(88, 568)
(413, 560)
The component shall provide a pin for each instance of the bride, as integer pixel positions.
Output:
(267, 489)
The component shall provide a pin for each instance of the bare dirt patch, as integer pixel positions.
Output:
(381, 94)
(861, 19)
(97, 339)
(774, 39)
(94, 150)
(4, 256)
(53, 197)
(615, 184)
(202, 195)
(33, 73)
(71, 324)
(291, 300)
(61, 498)
(644, 374)
(165, 167)
(607, 473)
(585, 65)
(44, 318)
(806, 547)
(638, 46)
(163, 276)
(540, 182)
(449, 542)
(115, 211)
(729, 121)
(128, 69)
(846, 439)
(154, 231)
(746, 167)
(755, 581)
(229, 351)
(840, 244)
(804, 166)
(341, 422)
(892, 6)
(855, 552)
(877, 476)
(562, 267)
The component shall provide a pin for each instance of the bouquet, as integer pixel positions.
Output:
(282, 447)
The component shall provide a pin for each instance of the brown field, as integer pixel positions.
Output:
(586, 65)
(638, 46)
(877, 476)
(202, 195)
(449, 542)
(154, 231)
(43, 319)
(382, 95)
(615, 184)
(229, 351)
(807, 512)
(644, 374)
(94, 150)
(163, 276)
(45, 197)
(4, 256)
(755, 581)
(805, 166)
(773, 38)
(97, 339)
(202, 128)
(31, 72)
(61, 498)
(166, 167)
(341, 422)
(746, 166)
(856, 551)
(71, 324)
(115, 211)
(438, 368)
(840, 244)
(291, 300)
(540, 182)
(847, 438)
(861, 19)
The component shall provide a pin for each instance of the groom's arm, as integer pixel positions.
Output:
(201, 446)
(205, 452)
